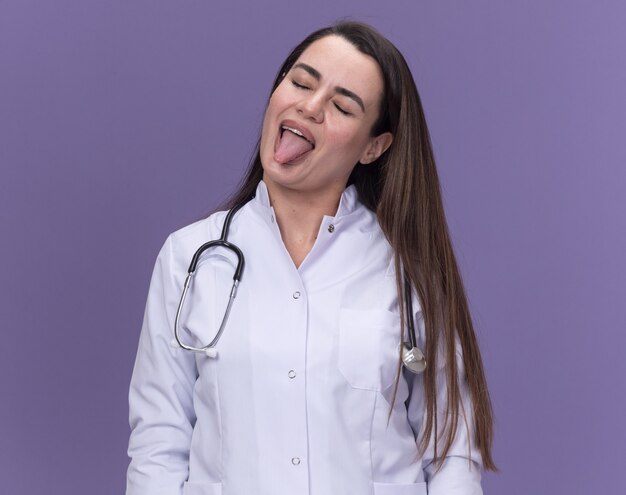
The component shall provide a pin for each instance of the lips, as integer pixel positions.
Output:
(299, 128)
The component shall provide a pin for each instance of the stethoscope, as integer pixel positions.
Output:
(412, 357)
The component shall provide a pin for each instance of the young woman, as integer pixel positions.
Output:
(310, 387)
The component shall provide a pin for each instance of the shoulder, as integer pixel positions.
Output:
(180, 245)
(198, 232)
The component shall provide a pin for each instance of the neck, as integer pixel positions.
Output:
(299, 215)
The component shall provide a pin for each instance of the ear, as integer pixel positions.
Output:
(376, 147)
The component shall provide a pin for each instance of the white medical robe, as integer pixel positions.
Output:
(297, 400)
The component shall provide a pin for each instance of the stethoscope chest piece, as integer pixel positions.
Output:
(413, 358)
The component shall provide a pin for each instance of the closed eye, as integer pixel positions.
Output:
(342, 110)
(298, 85)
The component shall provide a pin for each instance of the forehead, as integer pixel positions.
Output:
(340, 63)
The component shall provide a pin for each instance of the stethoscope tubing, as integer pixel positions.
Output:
(221, 242)
(412, 356)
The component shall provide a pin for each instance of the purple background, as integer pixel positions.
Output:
(121, 121)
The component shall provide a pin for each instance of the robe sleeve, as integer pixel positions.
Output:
(161, 411)
(458, 475)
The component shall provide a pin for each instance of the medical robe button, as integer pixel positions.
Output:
(291, 374)
(331, 228)
(296, 295)
(295, 461)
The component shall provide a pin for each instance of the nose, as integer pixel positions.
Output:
(312, 107)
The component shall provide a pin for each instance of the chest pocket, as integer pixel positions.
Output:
(369, 346)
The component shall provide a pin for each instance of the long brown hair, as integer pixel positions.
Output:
(402, 188)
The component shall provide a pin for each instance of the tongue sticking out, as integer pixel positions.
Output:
(291, 147)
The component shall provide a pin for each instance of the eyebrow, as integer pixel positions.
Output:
(338, 89)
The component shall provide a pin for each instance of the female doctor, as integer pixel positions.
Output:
(305, 392)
